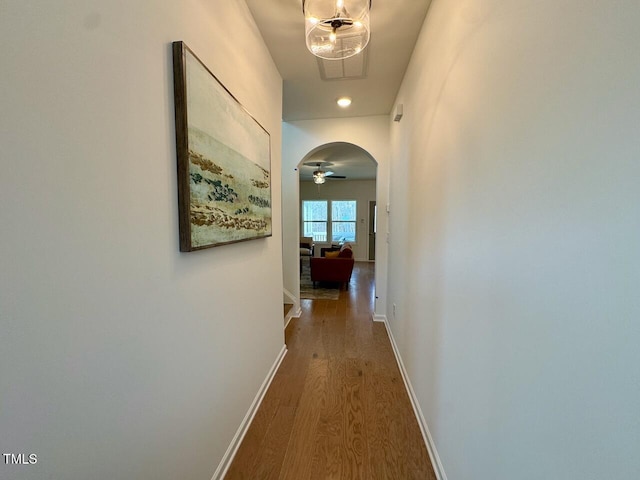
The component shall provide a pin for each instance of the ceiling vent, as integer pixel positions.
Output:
(352, 68)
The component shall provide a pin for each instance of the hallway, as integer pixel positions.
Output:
(337, 408)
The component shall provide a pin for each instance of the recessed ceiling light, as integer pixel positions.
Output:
(344, 102)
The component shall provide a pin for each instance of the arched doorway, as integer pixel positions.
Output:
(349, 185)
(345, 176)
(302, 139)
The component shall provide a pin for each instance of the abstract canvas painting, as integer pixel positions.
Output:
(224, 160)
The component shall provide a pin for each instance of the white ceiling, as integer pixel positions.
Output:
(346, 159)
(395, 25)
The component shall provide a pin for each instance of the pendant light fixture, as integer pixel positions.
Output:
(336, 29)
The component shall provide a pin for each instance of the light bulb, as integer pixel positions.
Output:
(344, 102)
(339, 4)
(332, 37)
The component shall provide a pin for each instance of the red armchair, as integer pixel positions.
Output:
(337, 269)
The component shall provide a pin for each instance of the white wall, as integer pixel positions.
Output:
(120, 357)
(363, 191)
(515, 220)
(300, 138)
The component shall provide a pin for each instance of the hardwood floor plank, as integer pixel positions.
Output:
(269, 459)
(327, 460)
(355, 448)
(330, 420)
(382, 453)
(337, 407)
(302, 442)
(244, 460)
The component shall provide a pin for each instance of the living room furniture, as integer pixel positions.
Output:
(306, 248)
(324, 250)
(338, 269)
(335, 247)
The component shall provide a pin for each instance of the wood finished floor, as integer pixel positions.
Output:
(337, 407)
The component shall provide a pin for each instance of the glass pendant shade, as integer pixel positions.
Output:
(336, 29)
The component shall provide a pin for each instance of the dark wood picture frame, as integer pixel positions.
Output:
(224, 160)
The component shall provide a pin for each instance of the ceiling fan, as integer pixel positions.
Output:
(321, 174)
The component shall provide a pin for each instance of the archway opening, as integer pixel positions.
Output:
(341, 208)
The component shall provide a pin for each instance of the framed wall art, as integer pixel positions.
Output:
(224, 160)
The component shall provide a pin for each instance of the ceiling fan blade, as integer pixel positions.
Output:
(318, 165)
(336, 176)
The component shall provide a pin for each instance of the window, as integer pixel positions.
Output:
(337, 218)
(343, 221)
(314, 219)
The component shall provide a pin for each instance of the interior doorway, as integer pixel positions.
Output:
(354, 177)
(341, 178)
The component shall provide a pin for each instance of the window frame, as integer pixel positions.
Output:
(354, 221)
(329, 222)
(305, 222)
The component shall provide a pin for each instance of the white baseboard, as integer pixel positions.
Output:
(292, 298)
(293, 313)
(424, 428)
(380, 318)
(225, 463)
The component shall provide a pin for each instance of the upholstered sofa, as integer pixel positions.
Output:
(336, 268)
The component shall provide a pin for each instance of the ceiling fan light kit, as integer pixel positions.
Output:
(319, 177)
(336, 29)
